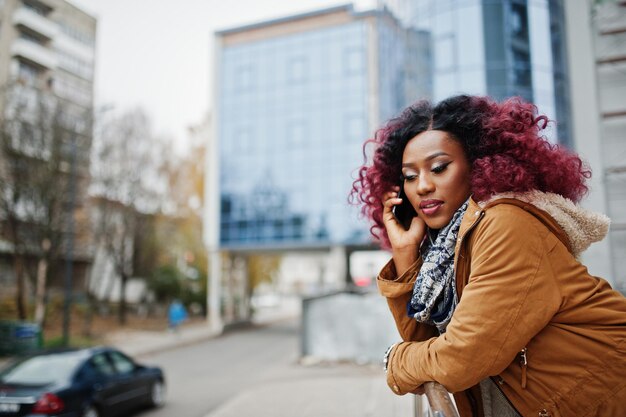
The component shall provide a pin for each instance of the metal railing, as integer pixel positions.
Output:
(440, 404)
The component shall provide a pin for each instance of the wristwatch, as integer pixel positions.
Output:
(386, 357)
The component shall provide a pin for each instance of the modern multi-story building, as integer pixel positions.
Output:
(47, 48)
(295, 99)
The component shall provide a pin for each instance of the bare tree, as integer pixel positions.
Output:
(126, 185)
(36, 135)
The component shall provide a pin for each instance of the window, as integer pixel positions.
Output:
(519, 21)
(31, 38)
(297, 69)
(122, 364)
(74, 89)
(102, 365)
(77, 34)
(353, 61)
(27, 73)
(34, 8)
(244, 78)
(297, 132)
(521, 69)
(354, 127)
(445, 54)
(243, 139)
(74, 64)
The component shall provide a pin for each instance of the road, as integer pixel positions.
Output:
(203, 376)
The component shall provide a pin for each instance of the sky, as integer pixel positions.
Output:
(156, 54)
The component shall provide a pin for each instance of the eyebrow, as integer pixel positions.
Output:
(428, 158)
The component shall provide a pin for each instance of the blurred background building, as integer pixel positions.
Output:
(47, 53)
(608, 33)
(296, 98)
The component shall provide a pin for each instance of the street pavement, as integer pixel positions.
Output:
(257, 371)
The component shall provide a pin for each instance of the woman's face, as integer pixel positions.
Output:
(436, 176)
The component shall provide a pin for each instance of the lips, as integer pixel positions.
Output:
(430, 207)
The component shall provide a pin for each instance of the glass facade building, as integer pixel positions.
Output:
(296, 99)
(499, 48)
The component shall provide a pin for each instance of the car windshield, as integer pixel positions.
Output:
(43, 370)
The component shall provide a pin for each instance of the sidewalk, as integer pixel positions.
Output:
(138, 343)
(329, 390)
(144, 342)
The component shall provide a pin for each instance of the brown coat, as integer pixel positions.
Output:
(520, 287)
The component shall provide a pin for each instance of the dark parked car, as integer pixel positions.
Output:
(94, 382)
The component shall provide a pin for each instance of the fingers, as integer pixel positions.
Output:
(390, 199)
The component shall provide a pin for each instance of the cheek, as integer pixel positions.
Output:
(410, 194)
(462, 181)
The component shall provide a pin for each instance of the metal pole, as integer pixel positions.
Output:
(69, 255)
(439, 400)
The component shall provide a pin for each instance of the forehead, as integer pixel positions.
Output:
(431, 142)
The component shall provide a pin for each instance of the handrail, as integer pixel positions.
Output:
(439, 401)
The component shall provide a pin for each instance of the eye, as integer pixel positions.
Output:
(408, 177)
(440, 168)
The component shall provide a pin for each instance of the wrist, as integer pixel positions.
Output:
(404, 258)
(411, 251)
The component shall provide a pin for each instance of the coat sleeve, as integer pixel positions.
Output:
(398, 291)
(511, 295)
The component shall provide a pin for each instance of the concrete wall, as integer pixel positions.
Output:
(347, 326)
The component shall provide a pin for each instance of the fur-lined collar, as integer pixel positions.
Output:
(583, 227)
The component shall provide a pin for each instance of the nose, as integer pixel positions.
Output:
(425, 185)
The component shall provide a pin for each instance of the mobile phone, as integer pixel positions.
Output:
(404, 211)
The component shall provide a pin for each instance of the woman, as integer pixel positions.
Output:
(484, 282)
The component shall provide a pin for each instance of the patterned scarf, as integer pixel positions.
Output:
(434, 294)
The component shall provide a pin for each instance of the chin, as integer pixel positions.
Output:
(437, 223)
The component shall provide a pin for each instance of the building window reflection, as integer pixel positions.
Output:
(297, 132)
(310, 109)
(244, 78)
(297, 69)
(519, 21)
(353, 61)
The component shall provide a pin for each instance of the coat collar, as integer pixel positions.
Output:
(574, 225)
(476, 211)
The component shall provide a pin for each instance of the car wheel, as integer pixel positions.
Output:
(157, 394)
(90, 411)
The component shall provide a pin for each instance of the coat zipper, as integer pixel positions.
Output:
(524, 365)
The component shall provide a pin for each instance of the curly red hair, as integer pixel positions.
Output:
(502, 142)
